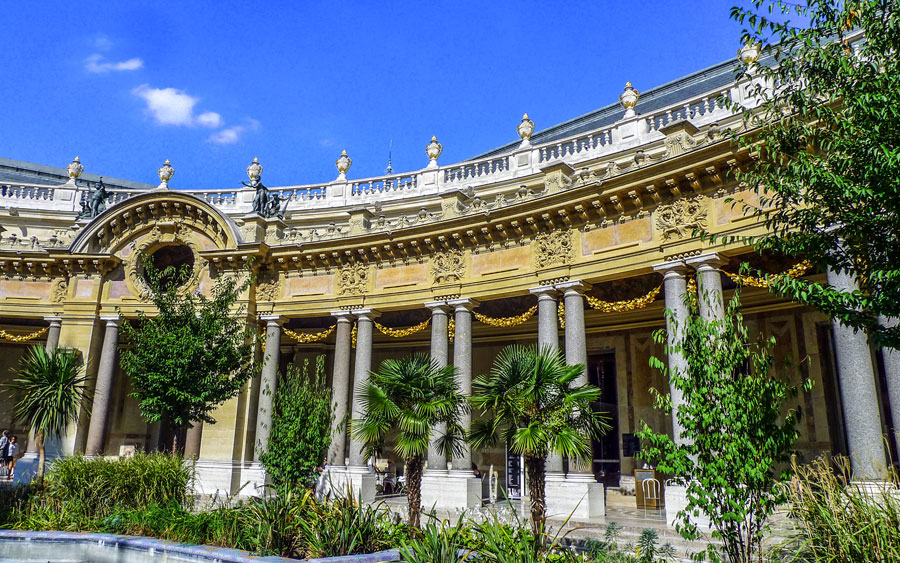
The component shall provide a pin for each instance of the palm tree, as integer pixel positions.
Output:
(407, 398)
(48, 388)
(530, 400)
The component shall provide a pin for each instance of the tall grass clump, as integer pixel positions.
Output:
(837, 519)
(101, 486)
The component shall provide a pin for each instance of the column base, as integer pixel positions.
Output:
(676, 501)
(229, 478)
(358, 482)
(26, 468)
(578, 496)
(450, 490)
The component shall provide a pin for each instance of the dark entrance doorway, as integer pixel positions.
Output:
(607, 464)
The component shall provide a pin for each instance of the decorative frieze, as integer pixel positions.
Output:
(268, 286)
(679, 218)
(448, 266)
(555, 248)
(352, 279)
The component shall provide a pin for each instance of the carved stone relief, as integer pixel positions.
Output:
(448, 266)
(555, 248)
(681, 217)
(268, 287)
(59, 290)
(352, 279)
(158, 237)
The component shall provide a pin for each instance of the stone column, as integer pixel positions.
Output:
(192, 441)
(675, 288)
(548, 336)
(576, 342)
(103, 390)
(462, 361)
(440, 354)
(891, 357)
(268, 382)
(709, 285)
(859, 395)
(53, 333)
(365, 320)
(340, 387)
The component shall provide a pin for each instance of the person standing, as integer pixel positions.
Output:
(12, 452)
(4, 449)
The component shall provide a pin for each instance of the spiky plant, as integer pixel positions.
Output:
(407, 398)
(48, 389)
(531, 400)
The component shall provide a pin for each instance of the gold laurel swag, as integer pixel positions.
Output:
(307, 337)
(506, 322)
(794, 272)
(22, 337)
(401, 332)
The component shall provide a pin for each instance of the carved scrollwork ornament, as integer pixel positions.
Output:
(156, 239)
(268, 287)
(448, 266)
(352, 279)
(555, 248)
(681, 217)
(59, 290)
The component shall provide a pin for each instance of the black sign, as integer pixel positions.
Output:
(513, 474)
(631, 445)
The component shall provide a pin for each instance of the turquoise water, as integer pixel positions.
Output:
(34, 551)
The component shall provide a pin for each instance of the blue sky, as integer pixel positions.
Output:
(125, 85)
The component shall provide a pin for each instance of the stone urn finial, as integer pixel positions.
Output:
(254, 171)
(343, 164)
(74, 169)
(749, 53)
(433, 150)
(629, 99)
(525, 130)
(165, 174)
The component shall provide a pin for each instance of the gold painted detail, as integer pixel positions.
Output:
(22, 337)
(793, 272)
(401, 332)
(352, 279)
(561, 314)
(681, 217)
(308, 337)
(625, 305)
(506, 322)
(553, 249)
(353, 336)
(451, 328)
(448, 266)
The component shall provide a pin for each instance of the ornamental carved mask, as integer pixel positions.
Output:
(352, 279)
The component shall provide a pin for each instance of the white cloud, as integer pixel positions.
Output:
(103, 43)
(210, 119)
(231, 135)
(168, 106)
(95, 64)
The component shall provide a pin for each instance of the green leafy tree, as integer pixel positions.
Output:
(301, 427)
(736, 430)
(828, 148)
(194, 354)
(406, 398)
(530, 400)
(48, 388)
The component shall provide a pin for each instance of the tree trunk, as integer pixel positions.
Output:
(535, 468)
(39, 477)
(414, 489)
(175, 431)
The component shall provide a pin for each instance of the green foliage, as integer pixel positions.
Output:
(301, 427)
(839, 520)
(48, 389)
(193, 355)
(406, 398)
(437, 542)
(530, 400)
(347, 527)
(828, 173)
(735, 431)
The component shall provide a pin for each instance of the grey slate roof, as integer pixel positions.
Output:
(651, 100)
(13, 171)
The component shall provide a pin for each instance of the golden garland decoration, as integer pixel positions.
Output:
(794, 272)
(561, 314)
(624, 305)
(506, 322)
(22, 337)
(451, 328)
(353, 336)
(306, 338)
(401, 332)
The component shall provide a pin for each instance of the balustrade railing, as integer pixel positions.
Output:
(26, 192)
(477, 169)
(384, 184)
(699, 107)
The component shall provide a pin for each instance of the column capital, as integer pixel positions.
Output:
(464, 304)
(53, 320)
(111, 320)
(342, 316)
(437, 306)
(544, 290)
(574, 286)
(673, 266)
(711, 260)
(366, 314)
(276, 320)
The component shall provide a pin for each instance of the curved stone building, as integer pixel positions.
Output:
(576, 236)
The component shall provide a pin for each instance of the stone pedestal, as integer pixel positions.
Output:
(576, 496)
(450, 490)
(676, 501)
(229, 478)
(340, 481)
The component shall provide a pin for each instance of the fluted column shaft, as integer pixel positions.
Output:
(340, 387)
(675, 289)
(548, 337)
(103, 390)
(440, 354)
(268, 382)
(462, 361)
(859, 395)
(365, 320)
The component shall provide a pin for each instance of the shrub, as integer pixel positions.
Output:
(348, 527)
